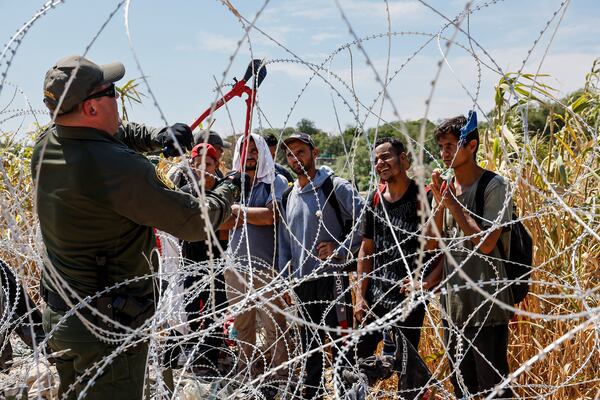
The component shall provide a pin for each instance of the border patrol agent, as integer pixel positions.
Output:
(97, 200)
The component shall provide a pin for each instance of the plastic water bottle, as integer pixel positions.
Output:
(232, 332)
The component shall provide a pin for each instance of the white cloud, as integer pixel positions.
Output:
(312, 13)
(319, 9)
(324, 36)
(208, 41)
(277, 32)
(219, 43)
(293, 70)
(566, 69)
(313, 10)
(317, 57)
(396, 9)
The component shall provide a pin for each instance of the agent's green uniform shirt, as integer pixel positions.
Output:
(97, 196)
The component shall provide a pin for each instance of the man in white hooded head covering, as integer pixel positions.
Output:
(252, 250)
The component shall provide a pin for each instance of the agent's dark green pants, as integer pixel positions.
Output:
(78, 368)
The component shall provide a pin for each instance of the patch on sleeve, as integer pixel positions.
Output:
(163, 178)
(50, 95)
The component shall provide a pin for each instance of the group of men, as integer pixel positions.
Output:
(98, 201)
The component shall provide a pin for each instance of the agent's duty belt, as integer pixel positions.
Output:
(56, 301)
(128, 310)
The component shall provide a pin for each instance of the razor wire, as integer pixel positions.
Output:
(169, 328)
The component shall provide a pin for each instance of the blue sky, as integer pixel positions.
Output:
(184, 46)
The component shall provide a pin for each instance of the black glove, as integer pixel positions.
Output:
(234, 179)
(183, 135)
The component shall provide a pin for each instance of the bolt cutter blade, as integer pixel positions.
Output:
(262, 73)
(255, 68)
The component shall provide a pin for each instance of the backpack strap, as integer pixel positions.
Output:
(480, 194)
(378, 193)
(331, 198)
(285, 197)
(340, 283)
(480, 200)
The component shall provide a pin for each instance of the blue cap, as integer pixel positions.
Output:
(469, 127)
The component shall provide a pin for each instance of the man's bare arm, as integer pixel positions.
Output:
(364, 267)
(260, 216)
(470, 228)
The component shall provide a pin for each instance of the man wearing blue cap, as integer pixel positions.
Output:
(476, 334)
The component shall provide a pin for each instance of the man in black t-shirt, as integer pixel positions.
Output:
(388, 255)
(393, 229)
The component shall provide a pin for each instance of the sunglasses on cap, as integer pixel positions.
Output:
(110, 91)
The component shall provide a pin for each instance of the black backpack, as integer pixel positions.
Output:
(518, 263)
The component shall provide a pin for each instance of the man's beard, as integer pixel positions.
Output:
(251, 167)
(300, 170)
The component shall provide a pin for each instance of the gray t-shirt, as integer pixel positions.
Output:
(465, 306)
(261, 243)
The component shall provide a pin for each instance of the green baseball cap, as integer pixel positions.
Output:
(88, 77)
(300, 136)
(213, 139)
